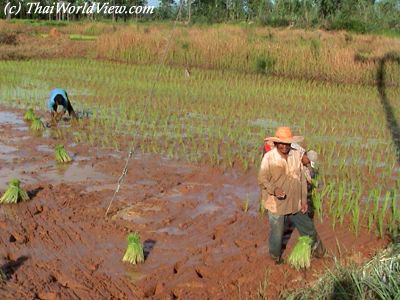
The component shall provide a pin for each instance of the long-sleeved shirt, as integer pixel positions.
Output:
(276, 171)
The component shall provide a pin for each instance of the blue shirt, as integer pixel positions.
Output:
(53, 94)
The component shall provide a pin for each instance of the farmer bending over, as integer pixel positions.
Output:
(284, 191)
(59, 97)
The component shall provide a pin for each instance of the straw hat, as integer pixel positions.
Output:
(312, 156)
(284, 135)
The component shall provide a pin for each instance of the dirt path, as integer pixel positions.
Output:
(199, 243)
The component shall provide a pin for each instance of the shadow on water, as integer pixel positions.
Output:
(391, 121)
(12, 266)
(32, 193)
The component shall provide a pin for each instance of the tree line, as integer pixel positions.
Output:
(356, 15)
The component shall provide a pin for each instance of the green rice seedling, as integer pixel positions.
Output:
(367, 204)
(245, 204)
(134, 253)
(336, 207)
(355, 218)
(14, 193)
(300, 257)
(382, 213)
(263, 288)
(317, 199)
(37, 124)
(212, 128)
(261, 209)
(339, 214)
(377, 279)
(29, 115)
(355, 208)
(61, 155)
(373, 214)
(331, 196)
(394, 224)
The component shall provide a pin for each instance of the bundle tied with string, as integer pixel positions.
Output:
(14, 193)
(61, 155)
(37, 124)
(29, 115)
(134, 253)
(300, 258)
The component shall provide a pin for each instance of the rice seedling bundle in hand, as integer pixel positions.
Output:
(14, 193)
(37, 124)
(29, 115)
(61, 155)
(134, 254)
(301, 254)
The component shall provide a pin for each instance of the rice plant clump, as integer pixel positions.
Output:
(37, 124)
(61, 155)
(29, 115)
(14, 193)
(300, 257)
(134, 254)
(377, 279)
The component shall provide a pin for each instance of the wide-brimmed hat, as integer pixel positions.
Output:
(312, 156)
(284, 135)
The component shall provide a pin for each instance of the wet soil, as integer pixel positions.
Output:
(199, 243)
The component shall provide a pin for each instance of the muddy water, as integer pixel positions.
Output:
(198, 242)
(12, 118)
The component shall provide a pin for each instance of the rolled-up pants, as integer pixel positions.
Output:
(302, 222)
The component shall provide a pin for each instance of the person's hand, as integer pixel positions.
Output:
(59, 116)
(304, 208)
(279, 193)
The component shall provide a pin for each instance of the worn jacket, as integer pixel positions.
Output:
(289, 175)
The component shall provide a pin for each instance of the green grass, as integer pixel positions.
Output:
(377, 279)
(82, 37)
(74, 37)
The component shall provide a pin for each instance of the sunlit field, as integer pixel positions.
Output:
(221, 118)
(209, 95)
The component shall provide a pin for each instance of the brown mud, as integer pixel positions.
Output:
(199, 243)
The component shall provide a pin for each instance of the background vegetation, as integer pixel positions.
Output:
(225, 87)
(356, 15)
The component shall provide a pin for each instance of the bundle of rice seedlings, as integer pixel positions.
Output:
(29, 115)
(301, 254)
(61, 155)
(134, 254)
(37, 124)
(14, 193)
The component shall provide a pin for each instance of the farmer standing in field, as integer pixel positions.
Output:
(59, 97)
(284, 192)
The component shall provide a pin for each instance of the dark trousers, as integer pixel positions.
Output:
(302, 222)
